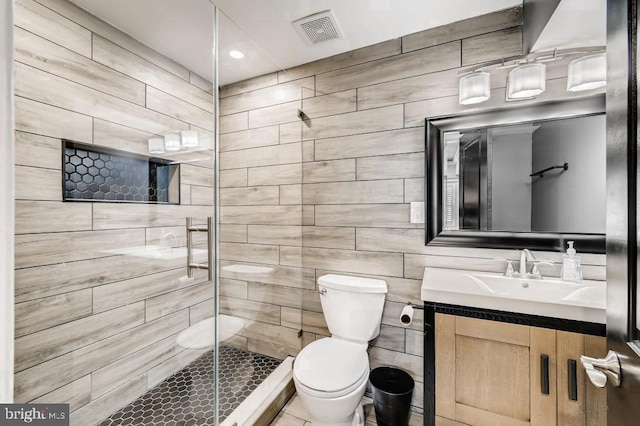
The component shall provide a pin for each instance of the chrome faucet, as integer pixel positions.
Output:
(525, 255)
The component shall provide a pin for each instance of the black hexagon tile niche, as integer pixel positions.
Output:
(186, 398)
(100, 174)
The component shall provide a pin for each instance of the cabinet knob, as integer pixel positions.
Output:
(601, 370)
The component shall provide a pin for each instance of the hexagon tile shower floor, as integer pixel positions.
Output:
(186, 398)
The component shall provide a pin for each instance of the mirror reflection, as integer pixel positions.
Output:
(539, 176)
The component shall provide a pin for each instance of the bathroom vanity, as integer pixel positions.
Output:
(506, 351)
(504, 348)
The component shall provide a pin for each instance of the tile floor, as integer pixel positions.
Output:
(186, 398)
(294, 414)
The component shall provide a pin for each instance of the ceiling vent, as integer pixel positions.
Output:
(318, 27)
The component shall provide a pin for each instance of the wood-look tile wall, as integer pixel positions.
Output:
(95, 328)
(349, 174)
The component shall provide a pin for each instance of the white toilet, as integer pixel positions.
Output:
(331, 374)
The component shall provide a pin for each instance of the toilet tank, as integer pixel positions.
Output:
(352, 306)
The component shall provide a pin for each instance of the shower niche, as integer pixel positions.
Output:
(93, 173)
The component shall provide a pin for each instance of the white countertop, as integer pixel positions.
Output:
(549, 297)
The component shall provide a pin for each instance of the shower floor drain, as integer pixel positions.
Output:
(186, 398)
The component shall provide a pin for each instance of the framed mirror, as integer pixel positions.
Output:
(530, 176)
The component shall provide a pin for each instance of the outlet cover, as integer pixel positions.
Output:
(417, 212)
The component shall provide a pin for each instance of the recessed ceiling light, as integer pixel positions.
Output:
(236, 54)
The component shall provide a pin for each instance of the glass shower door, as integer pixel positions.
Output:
(261, 277)
(114, 151)
(6, 202)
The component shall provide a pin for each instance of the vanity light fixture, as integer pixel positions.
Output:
(189, 138)
(587, 73)
(474, 88)
(527, 76)
(156, 145)
(172, 142)
(526, 81)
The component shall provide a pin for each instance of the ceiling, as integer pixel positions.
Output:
(263, 30)
(363, 23)
(575, 23)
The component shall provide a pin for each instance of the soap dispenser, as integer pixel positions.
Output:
(571, 267)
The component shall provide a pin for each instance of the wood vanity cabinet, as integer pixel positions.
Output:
(492, 373)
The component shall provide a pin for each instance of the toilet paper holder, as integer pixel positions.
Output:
(414, 306)
(406, 316)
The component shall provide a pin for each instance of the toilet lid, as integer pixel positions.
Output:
(330, 365)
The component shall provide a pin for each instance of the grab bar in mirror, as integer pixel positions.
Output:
(541, 173)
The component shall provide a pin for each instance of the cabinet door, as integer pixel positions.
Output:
(543, 377)
(579, 402)
(571, 401)
(596, 398)
(483, 373)
(445, 342)
(497, 374)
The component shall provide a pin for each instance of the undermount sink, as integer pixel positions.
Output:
(551, 297)
(534, 289)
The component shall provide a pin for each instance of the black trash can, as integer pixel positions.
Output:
(392, 389)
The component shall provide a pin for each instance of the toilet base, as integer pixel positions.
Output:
(356, 419)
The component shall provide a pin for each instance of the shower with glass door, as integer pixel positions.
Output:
(138, 298)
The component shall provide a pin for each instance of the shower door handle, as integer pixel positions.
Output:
(191, 265)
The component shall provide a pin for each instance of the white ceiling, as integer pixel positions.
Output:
(262, 29)
(180, 29)
(575, 23)
(363, 23)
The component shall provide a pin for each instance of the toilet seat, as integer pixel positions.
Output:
(319, 395)
(330, 367)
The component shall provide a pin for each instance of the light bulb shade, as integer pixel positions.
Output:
(172, 142)
(156, 146)
(474, 88)
(526, 81)
(587, 73)
(189, 138)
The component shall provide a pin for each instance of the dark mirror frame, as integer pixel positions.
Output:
(434, 129)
